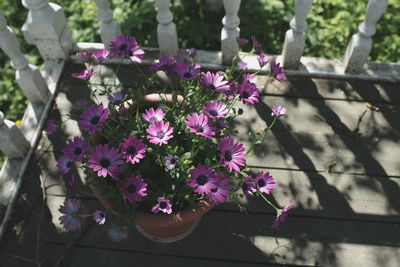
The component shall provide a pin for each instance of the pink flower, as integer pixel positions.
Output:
(265, 182)
(281, 216)
(163, 205)
(134, 189)
(232, 155)
(200, 125)
(152, 116)
(159, 133)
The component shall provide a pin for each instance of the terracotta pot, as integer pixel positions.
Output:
(158, 227)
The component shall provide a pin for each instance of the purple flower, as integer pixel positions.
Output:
(281, 216)
(202, 179)
(93, 118)
(241, 41)
(80, 104)
(72, 219)
(262, 59)
(163, 205)
(121, 45)
(278, 111)
(249, 186)
(249, 78)
(219, 124)
(256, 45)
(184, 53)
(152, 116)
(100, 55)
(159, 133)
(214, 82)
(104, 160)
(85, 74)
(215, 109)
(171, 69)
(64, 164)
(84, 55)
(51, 126)
(117, 233)
(122, 111)
(116, 98)
(220, 194)
(241, 65)
(75, 149)
(265, 182)
(132, 149)
(118, 174)
(191, 52)
(200, 125)
(99, 217)
(171, 161)
(277, 71)
(248, 93)
(233, 89)
(186, 71)
(162, 64)
(134, 189)
(232, 155)
(136, 54)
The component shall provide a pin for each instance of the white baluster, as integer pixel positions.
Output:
(12, 142)
(360, 44)
(295, 37)
(109, 28)
(230, 31)
(27, 76)
(47, 28)
(166, 29)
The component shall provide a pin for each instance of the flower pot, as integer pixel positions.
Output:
(164, 228)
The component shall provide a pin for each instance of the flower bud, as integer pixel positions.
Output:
(149, 149)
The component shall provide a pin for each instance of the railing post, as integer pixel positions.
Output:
(109, 28)
(166, 29)
(230, 31)
(12, 142)
(47, 28)
(295, 37)
(28, 76)
(360, 44)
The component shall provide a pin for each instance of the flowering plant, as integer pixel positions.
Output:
(165, 157)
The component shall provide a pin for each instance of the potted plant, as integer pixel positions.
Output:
(162, 155)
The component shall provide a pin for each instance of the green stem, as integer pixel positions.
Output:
(266, 200)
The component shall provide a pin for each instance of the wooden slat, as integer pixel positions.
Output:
(238, 237)
(316, 133)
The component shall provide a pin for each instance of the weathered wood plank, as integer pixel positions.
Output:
(316, 133)
(304, 87)
(226, 235)
(306, 131)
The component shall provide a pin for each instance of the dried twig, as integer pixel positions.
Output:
(330, 166)
(357, 128)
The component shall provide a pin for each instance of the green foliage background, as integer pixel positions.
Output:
(330, 26)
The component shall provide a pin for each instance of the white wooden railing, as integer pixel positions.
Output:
(46, 27)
